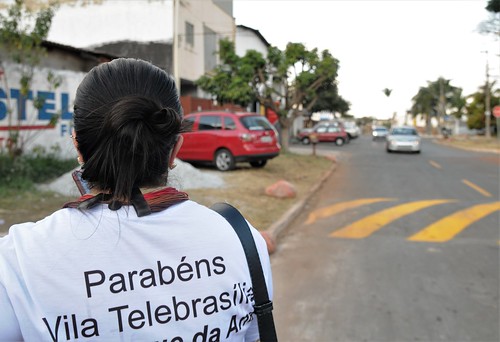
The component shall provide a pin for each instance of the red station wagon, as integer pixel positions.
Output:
(225, 138)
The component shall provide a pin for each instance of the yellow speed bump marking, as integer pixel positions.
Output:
(477, 188)
(340, 207)
(370, 224)
(449, 226)
(436, 165)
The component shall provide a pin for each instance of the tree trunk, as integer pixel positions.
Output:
(285, 124)
(428, 127)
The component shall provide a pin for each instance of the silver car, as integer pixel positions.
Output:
(403, 138)
(379, 132)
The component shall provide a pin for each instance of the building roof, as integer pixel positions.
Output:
(82, 53)
(256, 32)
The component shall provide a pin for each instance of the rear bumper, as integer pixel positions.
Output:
(255, 157)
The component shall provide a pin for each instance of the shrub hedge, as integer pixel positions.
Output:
(38, 166)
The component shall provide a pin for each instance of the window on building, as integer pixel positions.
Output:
(210, 45)
(189, 34)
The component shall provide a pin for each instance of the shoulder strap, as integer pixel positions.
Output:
(263, 306)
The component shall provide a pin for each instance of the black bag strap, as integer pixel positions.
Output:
(263, 306)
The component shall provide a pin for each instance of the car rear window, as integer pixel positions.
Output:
(256, 123)
(404, 131)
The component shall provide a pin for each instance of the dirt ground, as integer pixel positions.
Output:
(244, 188)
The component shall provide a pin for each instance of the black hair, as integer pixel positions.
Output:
(127, 118)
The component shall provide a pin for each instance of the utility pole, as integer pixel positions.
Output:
(175, 47)
(442, 103)
(487, 108)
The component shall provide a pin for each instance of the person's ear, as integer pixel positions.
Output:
(75, 143)
(175, 150)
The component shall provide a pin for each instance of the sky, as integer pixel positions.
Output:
(396, 44)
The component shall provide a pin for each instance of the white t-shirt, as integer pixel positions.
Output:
(176, 275)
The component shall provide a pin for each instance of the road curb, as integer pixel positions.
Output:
(276, 231)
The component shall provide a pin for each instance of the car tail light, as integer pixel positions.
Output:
(246, 137)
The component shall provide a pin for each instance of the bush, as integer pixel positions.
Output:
(23, 172)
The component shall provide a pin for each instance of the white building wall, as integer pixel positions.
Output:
(33, 123)
(200, 14)
(248, 40)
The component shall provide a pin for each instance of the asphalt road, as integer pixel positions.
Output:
(394, 247)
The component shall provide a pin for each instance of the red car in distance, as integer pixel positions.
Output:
(226, 138)
(332, 131)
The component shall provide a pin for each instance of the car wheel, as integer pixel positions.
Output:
(258, 163)
(339, 141)
(306, 141)
(224, 160)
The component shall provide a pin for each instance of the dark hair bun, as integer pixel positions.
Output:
(127, 119)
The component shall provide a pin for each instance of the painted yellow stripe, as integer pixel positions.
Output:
(477, 188)
(436, 165)
(449, 226)
(370, 224)
(340, 207)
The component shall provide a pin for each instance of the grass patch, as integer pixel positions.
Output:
(473, 142)
(19, 199)
(22, 173)
(245, 187)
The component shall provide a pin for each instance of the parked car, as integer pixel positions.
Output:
(403, 138)
(226, 138)
(379, 132)
(324, 131)
(352, 129)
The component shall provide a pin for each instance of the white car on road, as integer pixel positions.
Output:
(403, 138)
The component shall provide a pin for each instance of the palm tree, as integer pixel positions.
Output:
(439, 99)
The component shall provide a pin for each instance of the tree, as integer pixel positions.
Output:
(22, 31)
(387, 92)
(330, 100)
(475, 107)
(289, 82)
(492, 24)
(439, 99)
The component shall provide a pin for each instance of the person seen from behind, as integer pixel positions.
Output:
(135, 259)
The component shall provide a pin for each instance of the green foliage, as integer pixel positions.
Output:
(491, 25)
(284, 81)
(475, 107)
(22, 31)
(438, 97)
(37, 167)
(387, 92)
(493, 6)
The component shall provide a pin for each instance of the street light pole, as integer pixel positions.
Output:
(487, 107)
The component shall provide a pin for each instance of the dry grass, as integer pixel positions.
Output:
(473, 142)
(244, 189)
(27, 206)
